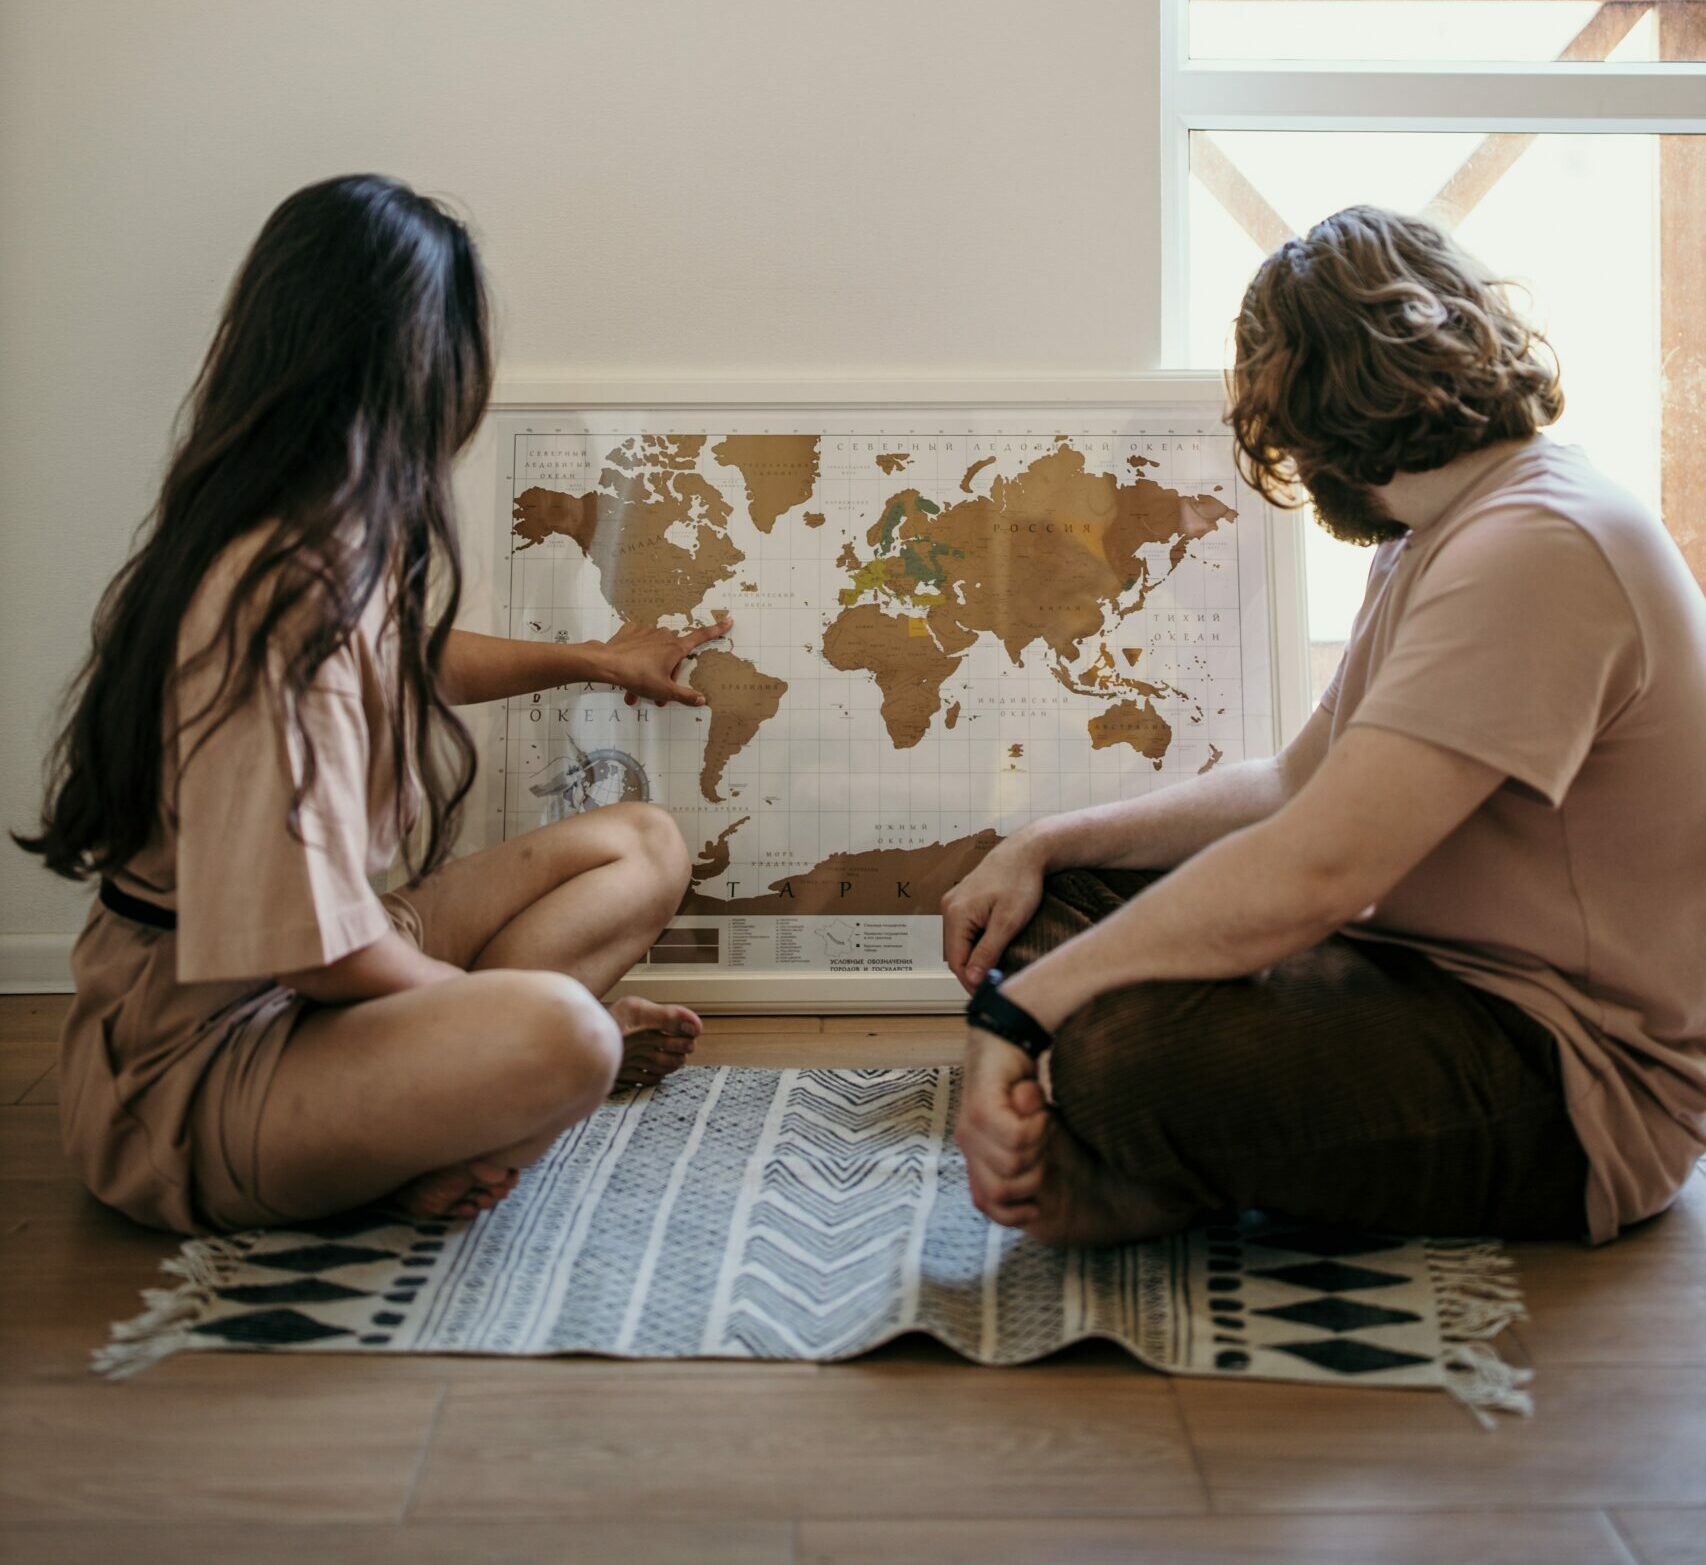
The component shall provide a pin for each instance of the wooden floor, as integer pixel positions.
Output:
(907, 1455)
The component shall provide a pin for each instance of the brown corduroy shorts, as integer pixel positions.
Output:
(1355, 1084)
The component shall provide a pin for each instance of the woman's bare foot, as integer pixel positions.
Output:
(461, 1190)
(656, 1039)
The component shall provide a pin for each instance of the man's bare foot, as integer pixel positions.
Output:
(1085, 1202)
(656, 1039)
(461, 1190)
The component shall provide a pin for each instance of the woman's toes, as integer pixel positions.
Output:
(462, 1190)
(633, 1014)
(434, 1194)
(682, 1023)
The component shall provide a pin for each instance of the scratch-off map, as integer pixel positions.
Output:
(946, 624)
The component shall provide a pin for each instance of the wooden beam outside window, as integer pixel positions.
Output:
(1682, 304)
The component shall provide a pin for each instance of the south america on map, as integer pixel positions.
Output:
(945, 626)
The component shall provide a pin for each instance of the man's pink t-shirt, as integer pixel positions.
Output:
(1546, 625)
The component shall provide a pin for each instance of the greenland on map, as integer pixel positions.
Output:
(947, 623)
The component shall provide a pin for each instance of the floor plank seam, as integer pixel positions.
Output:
(1460, 1504)
(1457, 1507)
(1663, 1505)
(1209, 1507)
(426, 1453)
(22, 1099)
(1211, 1501)
(1624, 1541)
(24, 1524)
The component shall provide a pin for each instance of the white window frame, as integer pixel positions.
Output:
(1654, 99)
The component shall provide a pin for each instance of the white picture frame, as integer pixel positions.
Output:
(1198, 396)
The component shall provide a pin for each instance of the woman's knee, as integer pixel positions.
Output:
(560, 1049)
(652, 841)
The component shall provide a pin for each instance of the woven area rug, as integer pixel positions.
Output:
(815, 1214)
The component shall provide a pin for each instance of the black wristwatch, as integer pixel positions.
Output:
(991, 1011)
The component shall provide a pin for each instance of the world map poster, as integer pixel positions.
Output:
(947, 623)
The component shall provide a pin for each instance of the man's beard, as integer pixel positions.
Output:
(1352, 512)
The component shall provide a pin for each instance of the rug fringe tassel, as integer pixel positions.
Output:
(1478, 1378)
(1476, 1287)
(1478, 1296)
(163, 1327)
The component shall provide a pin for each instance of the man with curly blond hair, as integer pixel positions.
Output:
(1440, 966)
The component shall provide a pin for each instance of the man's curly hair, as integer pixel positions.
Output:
(1375, 346)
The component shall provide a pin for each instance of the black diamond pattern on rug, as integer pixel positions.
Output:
(1325, 1242)
(270, 1329)
(303, 1290)
(1332, 1277)
(1336, 1314)
(793, 1275)
(319, 1257)
(1347, 1356)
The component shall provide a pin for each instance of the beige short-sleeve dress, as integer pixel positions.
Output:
(174, 1036)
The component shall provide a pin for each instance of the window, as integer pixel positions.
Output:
(1563, 141)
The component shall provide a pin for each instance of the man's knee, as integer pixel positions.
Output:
(1051, 925)
(1126, 1039)
(1125, 1075)
(1073, 900)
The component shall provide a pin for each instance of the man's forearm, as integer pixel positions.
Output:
(1240, 905)
(491, 668)
(1368, 815)
(1162, 829)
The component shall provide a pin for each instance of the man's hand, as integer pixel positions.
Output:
(990, 906)
(1003, 1123)
(644, 661)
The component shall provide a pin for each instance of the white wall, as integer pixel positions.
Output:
(709, 187)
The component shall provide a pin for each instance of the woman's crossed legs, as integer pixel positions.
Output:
(439, 1095)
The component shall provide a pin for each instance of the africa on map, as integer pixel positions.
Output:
(947, 623)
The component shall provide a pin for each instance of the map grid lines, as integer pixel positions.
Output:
(823, 776)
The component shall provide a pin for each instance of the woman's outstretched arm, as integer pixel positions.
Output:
(642, 660)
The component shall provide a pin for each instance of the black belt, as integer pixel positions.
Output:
(135, 909)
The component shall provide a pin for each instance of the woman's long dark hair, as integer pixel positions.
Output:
(351, 364)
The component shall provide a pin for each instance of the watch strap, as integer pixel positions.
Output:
(991, 1011)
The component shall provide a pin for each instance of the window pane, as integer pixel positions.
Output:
(1573, 220)
(1432, 31)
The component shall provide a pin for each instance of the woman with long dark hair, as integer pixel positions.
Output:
(265, 721)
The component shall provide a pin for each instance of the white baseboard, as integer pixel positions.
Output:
(36, 964)
(810, 994)
(41, 964)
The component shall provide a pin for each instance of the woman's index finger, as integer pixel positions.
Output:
(703, 633)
